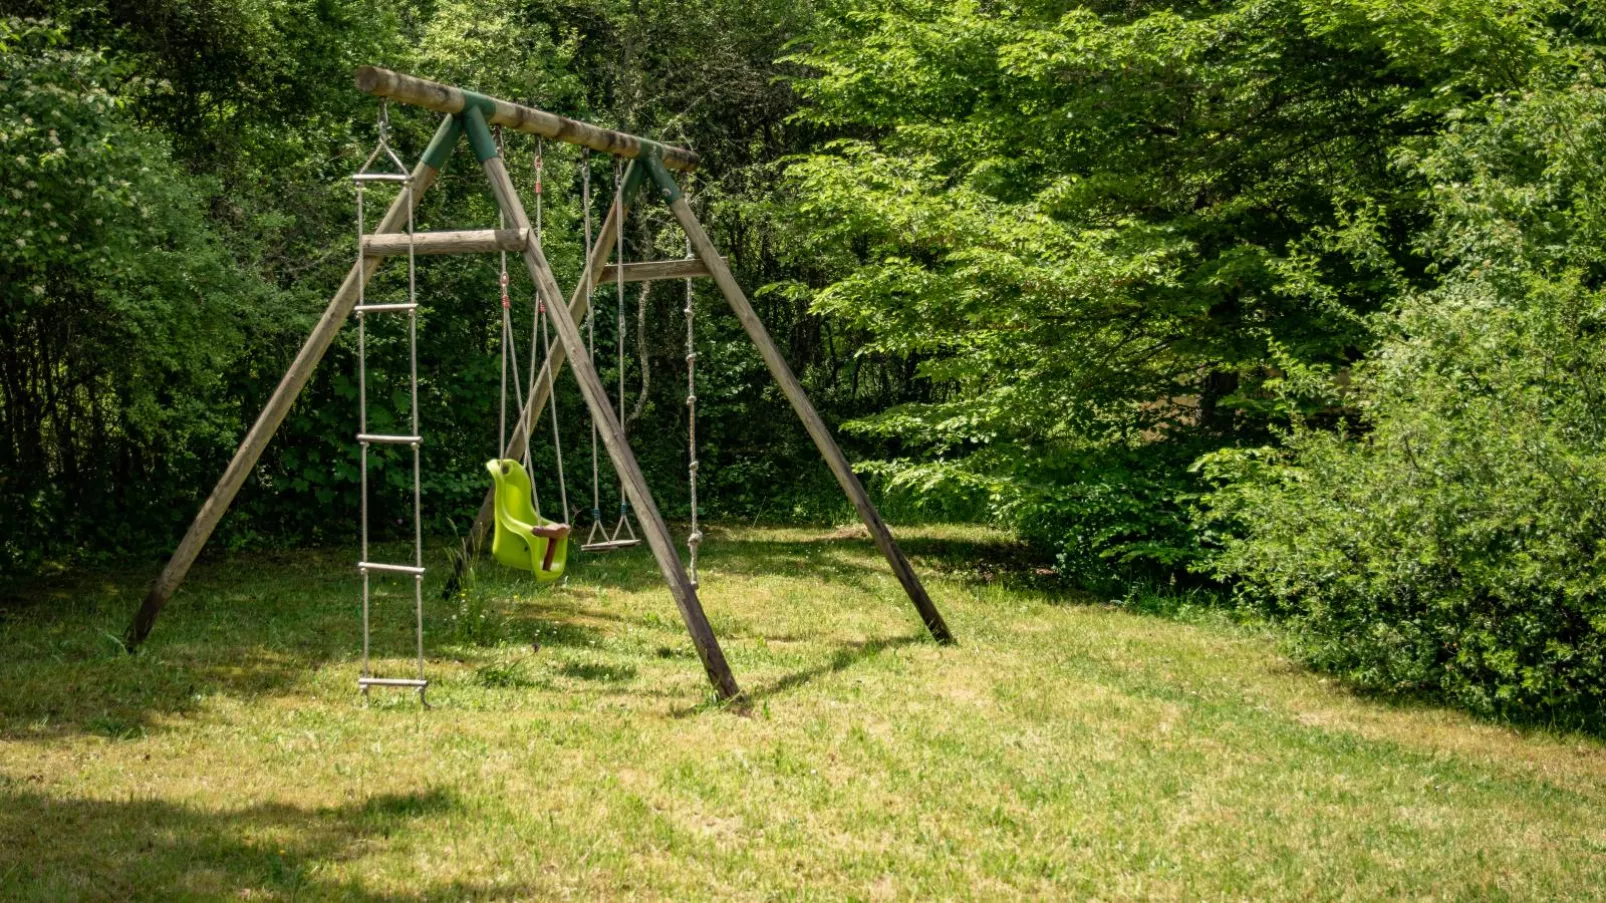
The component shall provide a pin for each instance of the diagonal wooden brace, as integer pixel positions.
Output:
(608, 425)
(273, 414)
(704, 248)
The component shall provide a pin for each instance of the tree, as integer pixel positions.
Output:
(1104, 230)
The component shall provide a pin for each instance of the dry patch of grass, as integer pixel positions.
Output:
(1063, 750)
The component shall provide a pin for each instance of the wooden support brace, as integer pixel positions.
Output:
(704, 248)
(612, 433)
(476, 241)
(654, 270)
(284, 395)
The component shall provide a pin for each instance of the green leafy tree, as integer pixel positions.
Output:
(232, 127)
(118, 310)
(1102, 230)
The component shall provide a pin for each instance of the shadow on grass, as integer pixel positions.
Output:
(842, 555)
(244, 626)
(257, 625)
(847, 656)
(598, 672)
(54, 848)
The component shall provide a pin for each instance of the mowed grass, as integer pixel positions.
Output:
(1064, 750)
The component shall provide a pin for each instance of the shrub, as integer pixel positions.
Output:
(1459, 546)
(1457, 543)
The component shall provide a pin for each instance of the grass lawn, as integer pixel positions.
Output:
(1063, 750)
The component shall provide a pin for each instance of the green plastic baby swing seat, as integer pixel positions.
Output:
(523, 539)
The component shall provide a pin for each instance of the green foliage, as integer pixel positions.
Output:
(1105, 227)
(201, 176)
(1457, 543)
(1107, 514)
(118, 309)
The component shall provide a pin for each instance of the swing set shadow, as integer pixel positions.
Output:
(651, 167)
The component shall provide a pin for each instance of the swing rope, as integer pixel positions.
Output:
(695, 537)
(540, 344)
(591, 348)
(510, 357)
(539, 164)
(623, 526)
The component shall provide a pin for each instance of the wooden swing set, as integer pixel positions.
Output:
(472, 115)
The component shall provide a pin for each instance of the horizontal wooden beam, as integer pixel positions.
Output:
(655, 270)
(441, 98)
(475, 241)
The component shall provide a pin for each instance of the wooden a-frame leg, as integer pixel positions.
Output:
(608, 426)
(273, 414)
(704, 249)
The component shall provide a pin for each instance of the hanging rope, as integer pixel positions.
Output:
(623, 526)
(695, 538)
(507, 326)
(510, 358)
(619, 283)
(540, 349)
(539, 164)
(641, 353)
(591, 344)
(535, 318)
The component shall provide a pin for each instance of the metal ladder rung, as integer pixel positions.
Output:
(404, 202)
(390, 568)
(610, 546)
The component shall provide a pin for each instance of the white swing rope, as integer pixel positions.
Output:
(539, 324)
(623, 526)
(510, 357)
(591, 346)
(694, 539)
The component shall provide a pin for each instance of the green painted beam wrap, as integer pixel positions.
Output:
(652, 158)
(474, 100)
(479, 134)
(634, 176)
(441, 146)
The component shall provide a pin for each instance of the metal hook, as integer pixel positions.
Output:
(401, 174)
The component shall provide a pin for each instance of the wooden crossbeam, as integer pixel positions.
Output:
(441, 98)
(476, 241)
(654, 270)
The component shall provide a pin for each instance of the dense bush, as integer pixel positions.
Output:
(1455, 541)
(118, 309)
(1460, 544)
(1101, 229)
